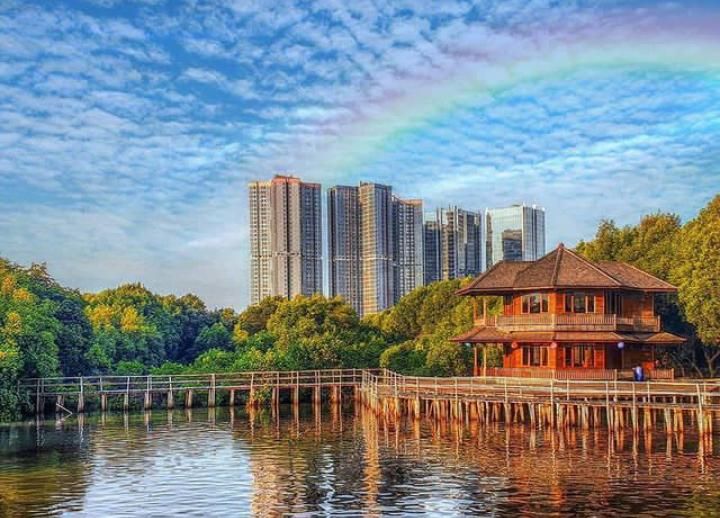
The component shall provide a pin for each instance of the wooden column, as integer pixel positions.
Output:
(211, 392)
(81, 398)
(475, 360)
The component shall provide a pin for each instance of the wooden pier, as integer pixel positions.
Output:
(539, 402)
(615, 405)
(252, 388)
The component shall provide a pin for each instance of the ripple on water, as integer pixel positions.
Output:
(223, 463)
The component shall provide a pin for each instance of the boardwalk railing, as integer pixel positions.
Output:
(380, 388)
(163, 383)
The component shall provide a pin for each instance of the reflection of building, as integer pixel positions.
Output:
(453, 245)
(285, 238)
(563, 312)
(512, 245)
(518, 231)
(375, 246)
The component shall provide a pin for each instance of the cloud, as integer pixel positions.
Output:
(128, 132)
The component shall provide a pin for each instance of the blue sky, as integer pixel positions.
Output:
(129, 130)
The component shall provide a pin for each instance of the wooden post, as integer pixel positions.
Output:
(231, 402)
(188, 398)
(484, 371)
(170, 398)
(147, 405)
(81, 398)
(39, 402)
(211, 392)
(475, 360)
(103, 402)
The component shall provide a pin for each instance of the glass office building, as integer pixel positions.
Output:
(515, 233)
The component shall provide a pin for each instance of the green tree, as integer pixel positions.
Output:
(255, 318)
(697, 275)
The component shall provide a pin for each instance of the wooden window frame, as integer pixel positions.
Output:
(526, 303)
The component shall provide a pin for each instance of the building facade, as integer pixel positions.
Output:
(343, 208)
(375, 246)
(564, 316)
(515, 233)
(260, 250)
(408, 246)
(453, 245)
(286, 238)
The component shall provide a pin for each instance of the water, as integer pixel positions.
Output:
(227, 463)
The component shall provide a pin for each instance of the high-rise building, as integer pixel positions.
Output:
(408, 243)
(375, 244)
(344, 242)
(286, 238)
(515, 233)
(260, 252)
(432, 251)
(453, 245)
(376, 247)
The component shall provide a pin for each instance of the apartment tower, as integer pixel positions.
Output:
(286, 238)
(453, 245)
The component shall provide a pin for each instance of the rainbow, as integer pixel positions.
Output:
(687, 44)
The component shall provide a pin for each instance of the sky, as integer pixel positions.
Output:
(129, 130)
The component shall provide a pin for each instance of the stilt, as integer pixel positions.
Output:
(170, 400)
(148, 401)
(211, 392)
(103, 402)
(188, 398)
(126, 402)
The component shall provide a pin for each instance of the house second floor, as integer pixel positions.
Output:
(565, 292)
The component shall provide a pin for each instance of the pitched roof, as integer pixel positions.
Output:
(562, 269)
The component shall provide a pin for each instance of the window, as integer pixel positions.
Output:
(613, 303)
(535, 356)
(535, 303)
(579, 302)
(581, 355)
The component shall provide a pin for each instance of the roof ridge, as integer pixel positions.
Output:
(596, 267)
(556, 269)
(644, 272)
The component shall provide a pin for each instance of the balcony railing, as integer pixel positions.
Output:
(571, 322)
(577, 374)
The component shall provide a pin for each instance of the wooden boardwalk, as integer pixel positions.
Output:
(540, 402)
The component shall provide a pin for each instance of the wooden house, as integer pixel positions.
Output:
(568, 317)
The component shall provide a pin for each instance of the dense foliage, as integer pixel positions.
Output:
(48, 330)
(689, 257)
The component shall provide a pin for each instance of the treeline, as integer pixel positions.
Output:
(49, 330)
(686, 255)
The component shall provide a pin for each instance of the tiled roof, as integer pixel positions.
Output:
(483, 334)
(563, 269)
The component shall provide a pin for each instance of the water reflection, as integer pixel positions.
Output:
(228, 461)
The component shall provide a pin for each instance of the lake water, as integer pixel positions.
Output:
(228, 463)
